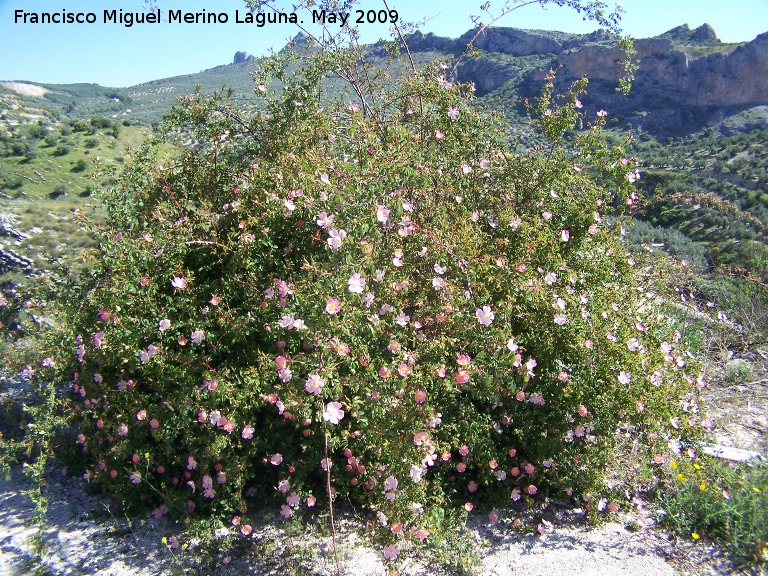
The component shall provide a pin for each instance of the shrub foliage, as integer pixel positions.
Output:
(379, 285)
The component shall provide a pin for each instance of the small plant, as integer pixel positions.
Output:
(723, 502)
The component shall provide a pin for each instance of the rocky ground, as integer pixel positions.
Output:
(82, 538)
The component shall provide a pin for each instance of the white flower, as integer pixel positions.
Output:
(438, 283)
(485, 316)
(624, 378)
(333, 413)
(550, 278)
(416, 473)
(356, 283)
(179, 283)
(164, 325)
(197, 336)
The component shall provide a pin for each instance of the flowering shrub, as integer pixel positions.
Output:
(380, 289)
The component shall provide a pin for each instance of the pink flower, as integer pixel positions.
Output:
(391, 552)
(382, 213)
(141, 415)
(325, 220)
(602, 113)
(197, 336)
(215, 300)
(582, 411)
(247, 432)
(285, 511)
(293, 500)
(276, 459)
(464, 450)
(461, 467)
(385, 372)
(531, 490)
(624, 378)
(246, 529)
(154, 424)
(135, 477)
(565, 235)
(560, 319)
(311, 501)
(332, 306)
(439, 135)
(122, 430)
(335, 237)
(164, 324)
(284, 486)
(390, 484)
(485, 316)
(419, 396)
(333, 413)
(462, 377)
(314, 384)
(516, 494)
(403, 370)
(179, 283)
(472, 486)
(463, 360)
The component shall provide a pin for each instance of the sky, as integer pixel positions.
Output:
(117, 56)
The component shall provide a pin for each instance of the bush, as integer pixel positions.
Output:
(58, 191)
(379, 296)
(79, 166)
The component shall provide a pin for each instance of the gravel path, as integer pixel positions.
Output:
(82, 538)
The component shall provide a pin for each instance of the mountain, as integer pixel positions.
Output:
(686, 78)
(698, 112)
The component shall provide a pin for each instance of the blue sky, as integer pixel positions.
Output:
(113, 55)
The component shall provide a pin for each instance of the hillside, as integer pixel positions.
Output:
(698, 113)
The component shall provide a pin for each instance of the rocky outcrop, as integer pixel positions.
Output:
(668, 74)
(511, 41)
(7, 228)
(703, 34)
(11, 261)
(675, 86)
(241, 57)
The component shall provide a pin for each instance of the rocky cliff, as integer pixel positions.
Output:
(685, 76)
(241, 57)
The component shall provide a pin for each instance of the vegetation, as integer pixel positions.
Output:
(377, 289)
